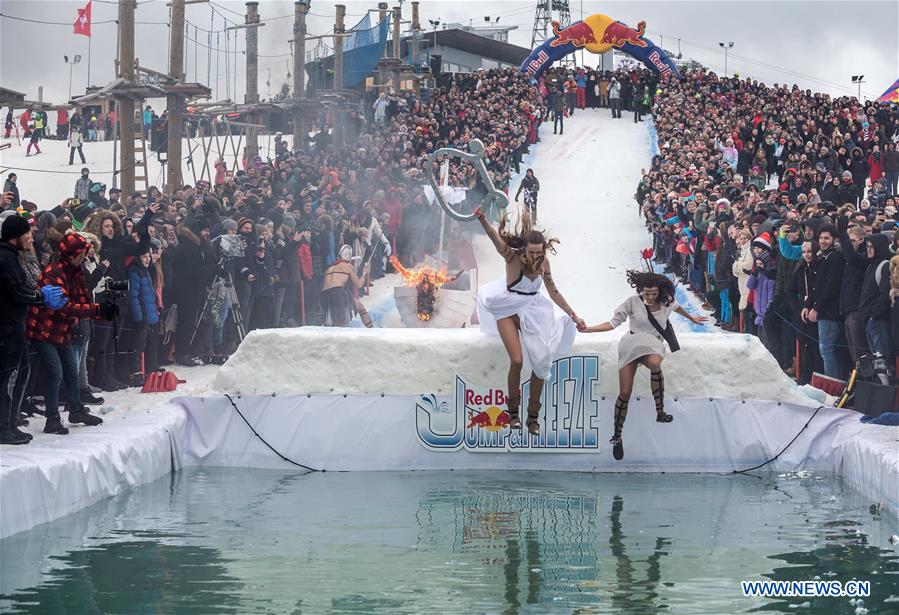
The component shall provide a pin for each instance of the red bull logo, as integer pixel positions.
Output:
(492, 419)
(578, 34)
(618, 34)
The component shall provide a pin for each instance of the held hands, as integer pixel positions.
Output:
(581, 325)
(54, 298)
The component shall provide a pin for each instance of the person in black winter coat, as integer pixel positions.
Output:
(16, 296)
(859, 167)
(803, 286)
(852, 240)
(195, 265)
(10, 186)
(780, 334)
(823, 306)
(874, 301)
(531, 186)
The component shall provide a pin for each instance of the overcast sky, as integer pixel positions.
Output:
(818, 45)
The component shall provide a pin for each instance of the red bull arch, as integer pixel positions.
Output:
(599, 34)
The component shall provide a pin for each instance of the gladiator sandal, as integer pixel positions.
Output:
(533, 414)
(657, 383)
(513, 403)
(620, 415)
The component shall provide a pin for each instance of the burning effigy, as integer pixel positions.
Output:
(422, 302)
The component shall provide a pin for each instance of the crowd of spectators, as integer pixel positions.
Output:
(775, 205)
(778, 206)
(254, 246)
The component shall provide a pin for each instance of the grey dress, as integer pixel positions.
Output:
(643, 339)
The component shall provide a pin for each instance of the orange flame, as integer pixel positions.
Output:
(427, 280)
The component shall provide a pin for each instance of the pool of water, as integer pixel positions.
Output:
(255, 541)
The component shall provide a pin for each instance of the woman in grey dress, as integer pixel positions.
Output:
(647, 314)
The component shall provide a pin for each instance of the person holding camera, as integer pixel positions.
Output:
(16, 295)
(115, 247)
(51, 332)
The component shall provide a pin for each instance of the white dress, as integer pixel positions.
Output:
(544, 336)
(643, 339)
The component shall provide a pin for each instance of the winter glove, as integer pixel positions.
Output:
(109, 310)
(387, 250)
(54, 297)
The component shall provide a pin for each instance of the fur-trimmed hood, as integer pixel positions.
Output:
(183, 231)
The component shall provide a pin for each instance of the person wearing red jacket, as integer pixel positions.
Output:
(51, 332)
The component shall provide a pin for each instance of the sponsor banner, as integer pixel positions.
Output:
(476, 418)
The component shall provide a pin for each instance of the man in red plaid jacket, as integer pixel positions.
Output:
(52, 331)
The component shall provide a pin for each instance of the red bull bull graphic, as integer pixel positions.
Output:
(617, 34)
(475, 419)
(599, 34)
(578, 34)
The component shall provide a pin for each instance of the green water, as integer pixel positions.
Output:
(253, 541)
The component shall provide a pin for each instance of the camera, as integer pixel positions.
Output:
(112, 288)
(229, 246)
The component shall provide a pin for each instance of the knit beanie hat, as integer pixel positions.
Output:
(289, 221)
(14, 227)
(763, 240)
(228, 224)
(243, 221)
(72, 245)
(759, 219)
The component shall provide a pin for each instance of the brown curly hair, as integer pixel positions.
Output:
(95, 223)
(647, 279)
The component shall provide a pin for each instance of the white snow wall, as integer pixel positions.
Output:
(312, 360)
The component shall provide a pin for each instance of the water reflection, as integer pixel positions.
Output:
(130, 577)
(229, 541)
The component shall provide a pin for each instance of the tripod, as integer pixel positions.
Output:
(223, 276)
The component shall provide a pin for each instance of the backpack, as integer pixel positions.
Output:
(878, 275)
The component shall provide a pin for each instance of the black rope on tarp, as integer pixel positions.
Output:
(272, 448)
(796, 437)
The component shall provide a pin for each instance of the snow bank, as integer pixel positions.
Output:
(45, 481)
(315, 360)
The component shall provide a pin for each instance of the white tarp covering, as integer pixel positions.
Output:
(42, 482)
(371, 433)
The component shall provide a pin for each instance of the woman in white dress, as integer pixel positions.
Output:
(514, 308)
(654, 301)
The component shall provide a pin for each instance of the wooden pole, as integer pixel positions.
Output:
(252, 93)
(339, 115)
(301, 7)
(126, 105)
(397, 20)
(175, 102)
(338, 46)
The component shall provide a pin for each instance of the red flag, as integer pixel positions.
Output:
(82, 23)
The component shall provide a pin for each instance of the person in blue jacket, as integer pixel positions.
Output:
(144, 315)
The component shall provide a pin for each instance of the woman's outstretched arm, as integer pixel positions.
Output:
(557, 297)
(694, 319)
(501, 246)
(598, 328)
